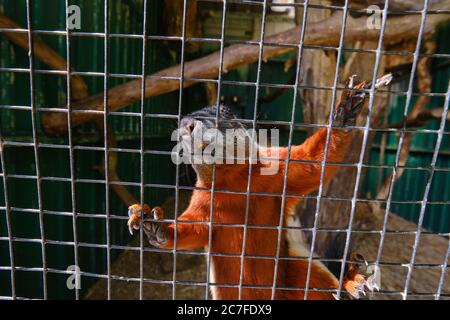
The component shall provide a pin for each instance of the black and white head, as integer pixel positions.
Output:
(198, 133)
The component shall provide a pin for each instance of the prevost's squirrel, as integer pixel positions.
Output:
(264, 208)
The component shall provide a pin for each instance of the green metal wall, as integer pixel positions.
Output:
(125, 57)
(86, 55)
(411, 186)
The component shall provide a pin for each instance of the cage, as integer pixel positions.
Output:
(71, 166)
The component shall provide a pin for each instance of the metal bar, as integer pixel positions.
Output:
(252, 144)
(168, 153)
(247, 2)
(228, 41)
(425, 196)
(71, 153)
(35, 147)
(432, 165)
(213, 182)
(162, 186)
(106, 142)
(232, 225)
(119, 182)
(200, 253)
(8, 219)
(203, 39)
(194, 79)
(291, 132)
(195, 283)
(402, 131)
(363, 147)
(443, 271)
(323, 6)
(177, 168)
(327, 143)
(142, 153)
(298, 127)
(419, 295)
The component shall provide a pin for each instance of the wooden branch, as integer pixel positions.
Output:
(44, 53)
(173, 22)
(420, 119)
(349, 66)
(317, 69)
(324, 32)
(394, 5)
(211, 92)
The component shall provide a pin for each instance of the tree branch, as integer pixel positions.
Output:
(44, 53)
(420, 119)
(395, 5)
(320, 33)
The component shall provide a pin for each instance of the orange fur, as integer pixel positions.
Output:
(263, 211)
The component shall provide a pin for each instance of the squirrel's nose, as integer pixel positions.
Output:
(188, 125)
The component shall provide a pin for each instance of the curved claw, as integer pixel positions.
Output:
(134, 214)
(157, 213)
(383, 81)
(132, 225)
(130, 229)
(374, 279)
(351, 81)
(353, 99)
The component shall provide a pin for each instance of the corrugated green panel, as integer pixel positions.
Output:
(411, 186)
(90, 199)
(87, 55)
(125, 56)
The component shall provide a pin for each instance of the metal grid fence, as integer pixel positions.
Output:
(72, 147)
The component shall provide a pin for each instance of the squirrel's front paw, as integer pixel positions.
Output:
(353, 99)
(136, 216)
(154, 230)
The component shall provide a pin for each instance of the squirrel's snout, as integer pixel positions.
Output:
(188, 124)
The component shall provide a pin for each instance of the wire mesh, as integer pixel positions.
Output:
(142, 151)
